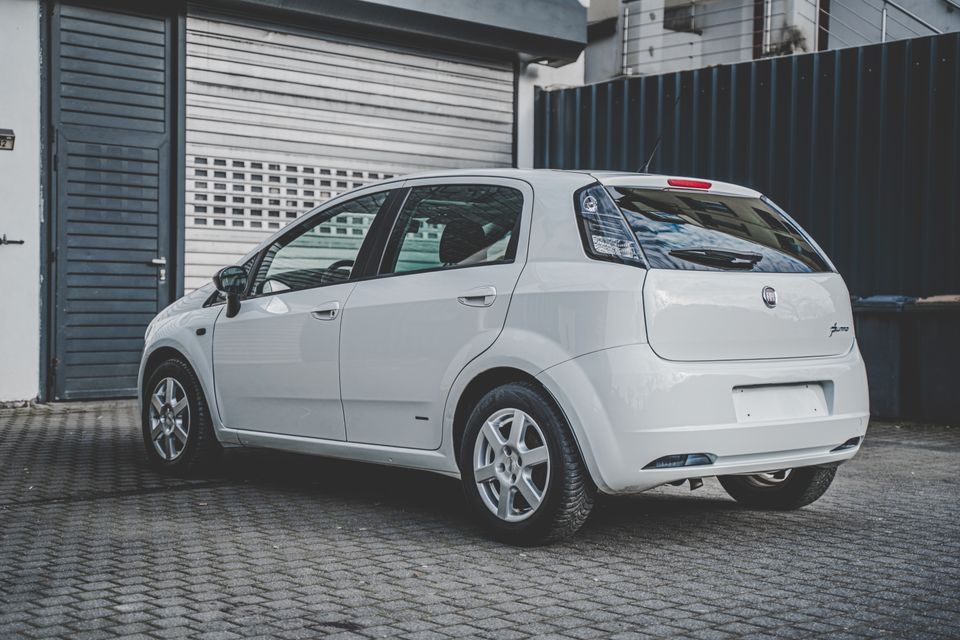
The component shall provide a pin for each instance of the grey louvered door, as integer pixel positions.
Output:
(112, 112)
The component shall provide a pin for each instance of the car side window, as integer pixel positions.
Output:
(454, 225)
(321, 252)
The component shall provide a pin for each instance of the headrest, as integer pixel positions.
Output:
(460, 240)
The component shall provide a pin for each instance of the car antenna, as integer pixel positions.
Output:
(646, 166)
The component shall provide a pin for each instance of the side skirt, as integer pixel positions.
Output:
(423, 460)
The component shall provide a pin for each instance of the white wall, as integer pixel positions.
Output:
(20, 201)
(539, 75)
(726, 38)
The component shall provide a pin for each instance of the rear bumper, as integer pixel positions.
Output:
(628, 407)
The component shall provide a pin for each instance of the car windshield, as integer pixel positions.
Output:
(705, 231)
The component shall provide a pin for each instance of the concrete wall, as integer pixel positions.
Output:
(20, 207)
(726, 37)
(727, 33)
(727, 27)
(605, 59)
(541, 75)
(538, 75)
(605, 40)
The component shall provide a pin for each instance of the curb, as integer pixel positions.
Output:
(54, 408)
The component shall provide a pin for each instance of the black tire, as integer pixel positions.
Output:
(569, 493)
(202, 449)
(801, 487)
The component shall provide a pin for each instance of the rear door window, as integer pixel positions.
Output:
(454, 225)
(704, 231)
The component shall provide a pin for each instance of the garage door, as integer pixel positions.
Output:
(112, 185)
(278, 122)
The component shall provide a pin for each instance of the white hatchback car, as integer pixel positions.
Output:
(540, 334)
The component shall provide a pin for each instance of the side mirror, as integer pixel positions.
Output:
(231, 282)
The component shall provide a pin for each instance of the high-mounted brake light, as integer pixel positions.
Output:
(689, 184)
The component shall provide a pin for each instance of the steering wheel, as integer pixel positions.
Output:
(340, 264)
(330, 274)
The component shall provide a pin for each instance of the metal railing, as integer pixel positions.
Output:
(732, 44)
(884, 12)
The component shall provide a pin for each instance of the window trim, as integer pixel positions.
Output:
(510, 256)
(387, 211)
(382, 227)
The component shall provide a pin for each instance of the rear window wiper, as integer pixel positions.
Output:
(719, 258)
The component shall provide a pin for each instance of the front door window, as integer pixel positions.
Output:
(322, 251)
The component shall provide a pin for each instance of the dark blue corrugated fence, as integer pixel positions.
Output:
(861, 146)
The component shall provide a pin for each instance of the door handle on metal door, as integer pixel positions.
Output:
(326, 311)
(162, 263)
(479, 297)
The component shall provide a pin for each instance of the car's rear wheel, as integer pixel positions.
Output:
(784, 490)
(522, 471)
(177, 431)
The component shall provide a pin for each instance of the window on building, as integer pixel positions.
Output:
(680, 16)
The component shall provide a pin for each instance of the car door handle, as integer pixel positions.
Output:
(479, 297)
(326, 311)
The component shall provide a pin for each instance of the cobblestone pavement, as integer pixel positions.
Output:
(93, 545)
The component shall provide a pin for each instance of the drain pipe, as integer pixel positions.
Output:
(883, 22)
(767, 26)
(624, 69)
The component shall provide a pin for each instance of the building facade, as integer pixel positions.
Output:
(648, 37)
(153, 146)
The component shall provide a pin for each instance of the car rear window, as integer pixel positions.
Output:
(704, 231)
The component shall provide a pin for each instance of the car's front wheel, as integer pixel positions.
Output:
(522, 471)
(783, 490)
(177, 431)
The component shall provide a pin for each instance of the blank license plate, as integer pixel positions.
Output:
(780, 402)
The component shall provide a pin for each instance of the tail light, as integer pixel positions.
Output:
(605, 233)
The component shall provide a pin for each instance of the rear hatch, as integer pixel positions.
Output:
(723, 316)
(731, 276)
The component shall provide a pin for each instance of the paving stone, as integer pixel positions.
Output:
(95, 544)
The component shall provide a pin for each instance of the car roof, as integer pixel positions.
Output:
(538, 177)
(661, 181)
(535, 177)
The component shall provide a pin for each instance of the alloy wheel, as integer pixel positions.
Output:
(511, 465)
(169, 419)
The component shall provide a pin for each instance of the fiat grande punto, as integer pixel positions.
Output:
(540, 335)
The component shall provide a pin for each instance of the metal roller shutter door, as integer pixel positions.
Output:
(278, 122)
